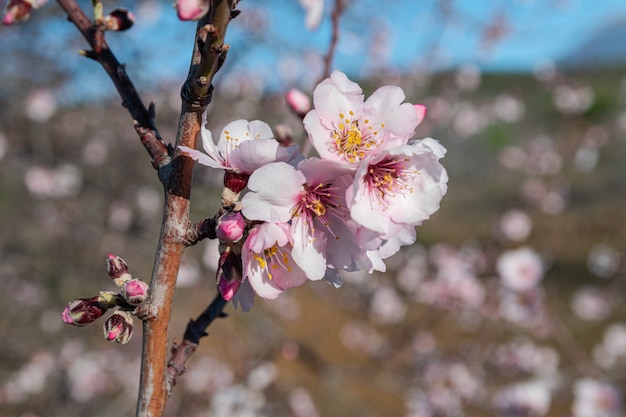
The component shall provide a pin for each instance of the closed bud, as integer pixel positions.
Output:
(17, 11)
(299, 102)
(119, 327)
(117, 270)
(119, 20)
(134, 291)
(235, 182)
(192, 9)
(284, 135)
(84, 311)
(229, 274)
(231, 227)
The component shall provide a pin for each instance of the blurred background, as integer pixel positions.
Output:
(510, 303)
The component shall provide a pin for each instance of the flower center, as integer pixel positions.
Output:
(388, 179)
(353, 140)
(273, 258)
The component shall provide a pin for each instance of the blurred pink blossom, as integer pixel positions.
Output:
(603, 260)
(590, 303)
(531, 398)
(515, 225)
(595, 398)
(520, 270)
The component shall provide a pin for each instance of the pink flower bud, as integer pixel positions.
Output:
(284, 135)
(299, 102)
(134, 291)
(228, 288)
(119, 20)
(235, 181)
(119, 327)
(231, 227)
(117, 270)
(83, 311)
(17, 11)
(192, 9)
(421, 112)
(229, 274)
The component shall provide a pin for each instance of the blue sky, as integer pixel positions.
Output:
(276, 48)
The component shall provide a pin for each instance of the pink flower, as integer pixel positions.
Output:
(345, 129)
(595, 398)
(231, 227)
(243, 147)
(401, 186)
(520, 269)
(312, 199)
(267, 262)
(192, 9)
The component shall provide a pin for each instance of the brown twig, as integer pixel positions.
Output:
(338, 10)
(100, 52)
(207, 57)
(196, 329)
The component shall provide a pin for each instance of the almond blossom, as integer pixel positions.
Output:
(346, 129)
(401, 186)
(267, 262)
(243, 147)
(312, 199)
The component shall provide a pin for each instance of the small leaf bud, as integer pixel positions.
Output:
(119, 20)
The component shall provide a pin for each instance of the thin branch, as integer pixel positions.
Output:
(144, 118)
(338, 10)
(196, 329)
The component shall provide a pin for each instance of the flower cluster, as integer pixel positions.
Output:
(346, 210)
(119, 326)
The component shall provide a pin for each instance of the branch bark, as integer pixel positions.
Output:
(175, 173)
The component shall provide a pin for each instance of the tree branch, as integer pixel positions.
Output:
(144, 118)
(175, 173)
(334, 39)
(196, 329)
(209, 53)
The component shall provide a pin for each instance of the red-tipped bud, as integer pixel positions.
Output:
(17, 11)
(119, 327)
(299, 102)
(117, 269)
(84, 311)
(231, 227)
(229, 274)
(228, 288)
(134, 291)
(119, 20)
(235, 182)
